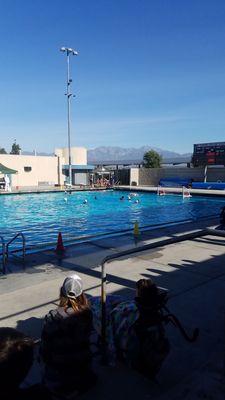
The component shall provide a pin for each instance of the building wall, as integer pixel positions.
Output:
(123, 176)
(215, 174)
(134, 176)
(61, 176)
(43, 169)
(151, 176)
(78, 155)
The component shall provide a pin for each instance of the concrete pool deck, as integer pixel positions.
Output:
(50, 189)
(153, 189)
(194, 273)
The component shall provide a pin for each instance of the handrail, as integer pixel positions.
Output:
(111, 257)
(12, 240)
(3, 255)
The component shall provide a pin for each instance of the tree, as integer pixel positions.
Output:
(2, 150)
(15, 148)
(152, 159)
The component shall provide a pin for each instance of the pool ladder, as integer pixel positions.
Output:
(5, 249)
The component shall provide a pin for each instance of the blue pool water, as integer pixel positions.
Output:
(41, 216)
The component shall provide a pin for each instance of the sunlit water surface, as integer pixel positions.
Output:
(41, 216)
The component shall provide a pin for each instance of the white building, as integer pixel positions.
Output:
(39, 171)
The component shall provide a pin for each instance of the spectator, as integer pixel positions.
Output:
(16, 358)
(138, 330)
(91, 182)
(65, 345)
(135, 331)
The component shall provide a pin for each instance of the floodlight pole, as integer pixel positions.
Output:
(69, 94)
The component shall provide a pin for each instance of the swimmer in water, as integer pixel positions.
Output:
(128, 197)
(137, 201)
(85, 201)
(95, 197)
(65, 199)
(122, 198)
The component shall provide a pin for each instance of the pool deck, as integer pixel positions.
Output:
(203, 192)
(153, 189)
(51, 189)
(194, 273)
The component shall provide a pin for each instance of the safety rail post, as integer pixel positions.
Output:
(12, 240)
(103, 312)
(3, 255)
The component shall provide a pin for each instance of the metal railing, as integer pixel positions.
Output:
(162, 243)
(20, 234)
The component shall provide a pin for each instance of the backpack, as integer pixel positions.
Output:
(147, 346)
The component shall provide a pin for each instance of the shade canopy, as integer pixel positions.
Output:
(6, 171)
(101, 171)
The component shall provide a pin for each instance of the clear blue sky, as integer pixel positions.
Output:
(149, 72)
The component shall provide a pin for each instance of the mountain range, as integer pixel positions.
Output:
(122, 154)
(108, 153)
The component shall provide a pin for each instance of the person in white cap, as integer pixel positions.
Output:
(65, 347)
(72, 297)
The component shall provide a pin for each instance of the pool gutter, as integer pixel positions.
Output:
(171, 190)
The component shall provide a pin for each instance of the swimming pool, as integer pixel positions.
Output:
(41, 216)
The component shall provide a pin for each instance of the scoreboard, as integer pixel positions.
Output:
(208, 154)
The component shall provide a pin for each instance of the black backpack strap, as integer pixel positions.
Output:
(175, 321)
